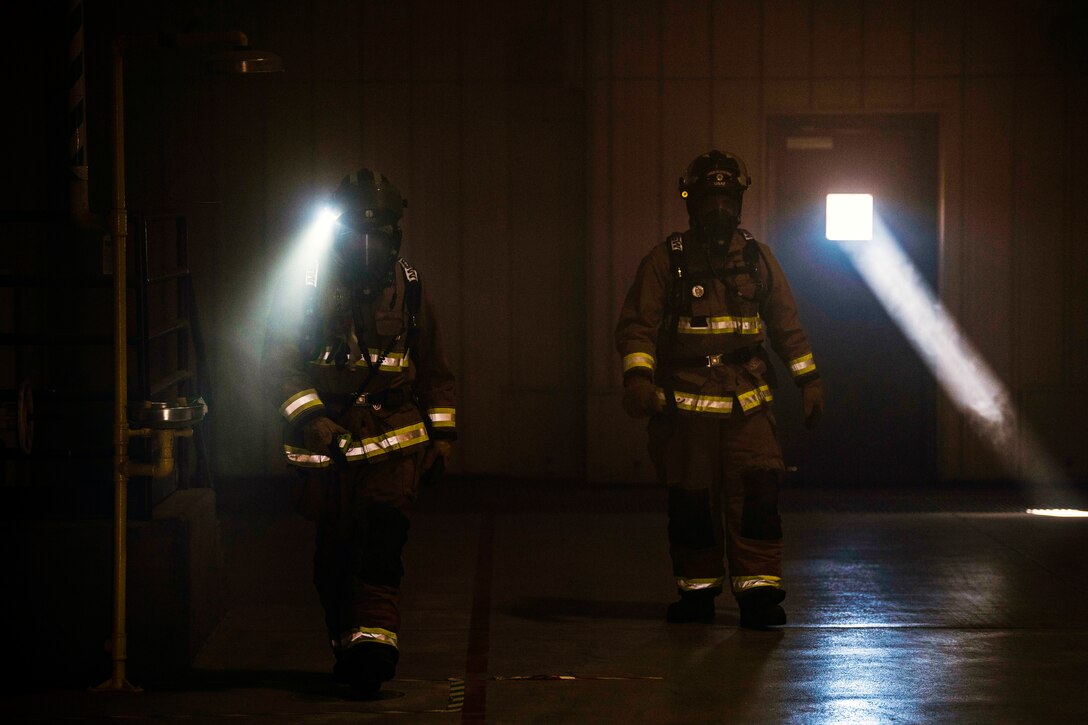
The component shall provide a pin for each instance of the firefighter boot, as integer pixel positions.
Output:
(759, 608)
(366, 666)
(697, 606)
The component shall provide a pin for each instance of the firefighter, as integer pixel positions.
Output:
(356, 367)
(692, 336)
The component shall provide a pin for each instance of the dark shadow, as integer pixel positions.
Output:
(562, 609)
(557, 609)
(304, 683)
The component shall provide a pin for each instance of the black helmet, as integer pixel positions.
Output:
(713, 189)
(369, 200)
(714, 172)
(369, 236)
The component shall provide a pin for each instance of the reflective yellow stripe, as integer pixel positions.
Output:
(443, 417)
(304, 458)
(745, 583)
(755, 398)
(639, 360)
(802, 365)
(393, 362)
(719, 404)
(366, 449)
(724, 325)
(695, 585)
(378, 446)
(367, 634)
(299, 403)
(714, 404)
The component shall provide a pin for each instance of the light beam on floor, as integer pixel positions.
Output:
(1059, 513)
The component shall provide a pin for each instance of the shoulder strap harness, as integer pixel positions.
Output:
(413, 295)
(676, 292)
(413, 299)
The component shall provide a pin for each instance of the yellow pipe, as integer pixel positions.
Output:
(164, 459)
(119, 233)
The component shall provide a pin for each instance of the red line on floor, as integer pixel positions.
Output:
(479, 636)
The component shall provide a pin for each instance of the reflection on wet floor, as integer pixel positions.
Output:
(549, 607)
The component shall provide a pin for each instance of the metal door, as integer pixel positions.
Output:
(880, 421)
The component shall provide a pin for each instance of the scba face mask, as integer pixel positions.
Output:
(367, 258)
(718, 216)
(369, 237)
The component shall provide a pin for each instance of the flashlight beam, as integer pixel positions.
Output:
(316, 241)
(960, 370)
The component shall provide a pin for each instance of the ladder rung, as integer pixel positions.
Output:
(180, 376)
(178, 326)
(175, 274)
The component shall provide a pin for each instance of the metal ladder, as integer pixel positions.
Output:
(170, 354)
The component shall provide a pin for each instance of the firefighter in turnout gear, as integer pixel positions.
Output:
(354, 362)
(692, 336)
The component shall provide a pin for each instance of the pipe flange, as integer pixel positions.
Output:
(158, 415)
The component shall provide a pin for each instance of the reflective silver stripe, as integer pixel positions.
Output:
(703, 403)
(802, 365)
(744, 583)
(368, 448)
(442, 417)
(368, 634)
(695, 585)
(378, 446)
(725, 325)
(304, 458)
(394, 361)
(639, 360)
(300, 402)
(355, 453)
(755, 398)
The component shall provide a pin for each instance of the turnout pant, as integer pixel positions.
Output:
(361, 513)
(723, 475)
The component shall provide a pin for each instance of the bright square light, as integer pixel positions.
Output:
(849, 217)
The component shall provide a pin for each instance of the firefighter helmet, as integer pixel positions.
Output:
(713, 189)
(369, 236)
(369, 200)
(714, 172)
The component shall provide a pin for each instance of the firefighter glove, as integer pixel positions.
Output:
(324, 434)
(434, 461)
(436, 450)
(812, 398)
(641, 398)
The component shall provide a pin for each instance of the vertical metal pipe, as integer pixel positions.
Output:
(119, 232)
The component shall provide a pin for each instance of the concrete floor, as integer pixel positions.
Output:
(543, 602)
